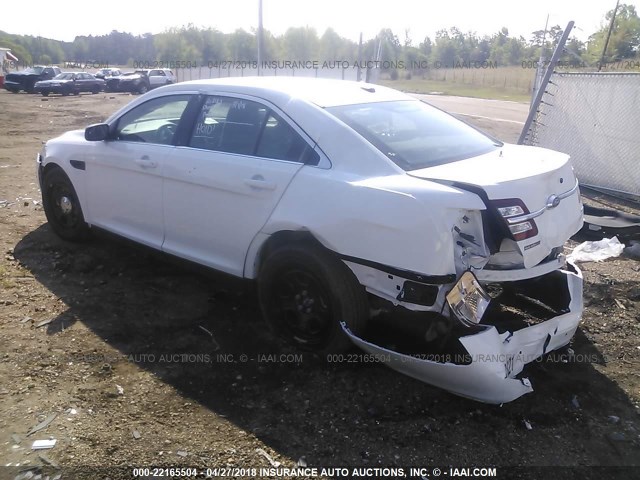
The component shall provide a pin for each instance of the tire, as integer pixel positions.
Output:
(95, 90)
(305, 292)
(62, 207)
(142, 88)
(45, 93)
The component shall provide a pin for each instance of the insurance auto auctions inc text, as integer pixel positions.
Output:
(359, 472)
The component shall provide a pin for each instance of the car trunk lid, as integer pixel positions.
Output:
(540, 181)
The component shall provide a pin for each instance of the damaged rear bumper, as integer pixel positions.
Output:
(496, 358)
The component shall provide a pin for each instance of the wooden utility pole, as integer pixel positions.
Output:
(606, 42)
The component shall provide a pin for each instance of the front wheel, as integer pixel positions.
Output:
(62, 207)
(305, 292)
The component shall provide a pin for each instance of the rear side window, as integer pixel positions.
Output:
(413, 134)
(230, 125)
(240, 126)
(280, 141)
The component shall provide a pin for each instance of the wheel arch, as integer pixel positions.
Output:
(263, 245)
(43, 169)
(75, 177)
(51, 166)
(65, 223)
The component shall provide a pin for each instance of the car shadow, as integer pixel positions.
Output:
(348, 411)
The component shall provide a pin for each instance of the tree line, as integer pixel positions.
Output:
(449, 47)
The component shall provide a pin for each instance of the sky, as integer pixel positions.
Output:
(347, 17)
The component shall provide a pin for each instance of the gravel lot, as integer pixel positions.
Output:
(136, 360)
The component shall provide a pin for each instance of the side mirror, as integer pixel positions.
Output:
(97, 132)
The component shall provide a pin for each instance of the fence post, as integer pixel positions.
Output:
(545, 81)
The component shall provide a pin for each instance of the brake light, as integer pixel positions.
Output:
(510, 209)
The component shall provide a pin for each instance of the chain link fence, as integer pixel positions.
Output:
(235, 69)
(595, 118)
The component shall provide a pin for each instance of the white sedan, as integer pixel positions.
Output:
(341, 198)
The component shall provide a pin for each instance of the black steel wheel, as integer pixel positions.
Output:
(62, 208)
(305, 292)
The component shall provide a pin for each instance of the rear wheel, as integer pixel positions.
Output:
(62, 207)
(45, 93)
(142, 88)
(305, 292)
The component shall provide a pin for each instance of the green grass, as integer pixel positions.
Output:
(461, 90)
(503, 83)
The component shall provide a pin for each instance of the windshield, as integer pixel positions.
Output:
(413, 134)
(64, 76)
(36, 70)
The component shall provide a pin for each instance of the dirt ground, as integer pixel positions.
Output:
(138, 361)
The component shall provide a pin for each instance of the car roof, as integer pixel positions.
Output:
(320, 91)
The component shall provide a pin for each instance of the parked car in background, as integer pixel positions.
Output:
(27, 78)
(70, 83)
(105, 73)
(342, 198)
(160, 77)
(140, 81)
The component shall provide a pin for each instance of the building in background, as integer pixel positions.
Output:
(8, 62)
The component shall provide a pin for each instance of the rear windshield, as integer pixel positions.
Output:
(413, 134)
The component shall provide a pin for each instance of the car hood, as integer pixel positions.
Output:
(530, 174)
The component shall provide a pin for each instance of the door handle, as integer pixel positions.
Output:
(259, 183)
(146, 162)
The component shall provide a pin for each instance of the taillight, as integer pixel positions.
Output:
(514, 212)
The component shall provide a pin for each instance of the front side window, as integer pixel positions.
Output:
(413, 134)
(155, 121)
